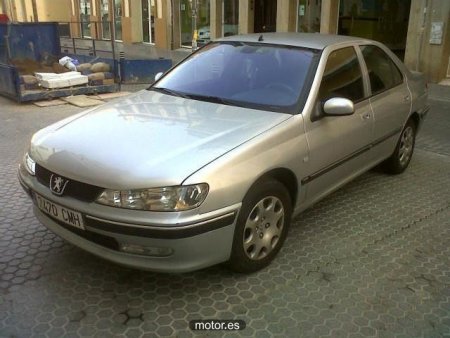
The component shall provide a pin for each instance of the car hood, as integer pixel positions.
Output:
(146, 140)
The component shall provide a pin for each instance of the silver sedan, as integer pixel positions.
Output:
(211, 162)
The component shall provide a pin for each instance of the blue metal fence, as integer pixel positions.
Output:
(33, 41)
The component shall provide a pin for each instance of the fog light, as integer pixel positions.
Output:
(145, 250)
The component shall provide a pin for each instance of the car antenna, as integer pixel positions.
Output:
(261, 38)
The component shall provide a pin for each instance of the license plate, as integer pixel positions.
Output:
(59, 212)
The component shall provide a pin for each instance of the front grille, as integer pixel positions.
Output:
(78, 190)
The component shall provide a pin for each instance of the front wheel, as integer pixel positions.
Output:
(399, 160)
(261, 227)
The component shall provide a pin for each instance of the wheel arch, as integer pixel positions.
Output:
(286, 177)
(277, 178)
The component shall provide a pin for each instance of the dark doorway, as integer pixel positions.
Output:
(146, 28)
(385, 21)
(265, 16)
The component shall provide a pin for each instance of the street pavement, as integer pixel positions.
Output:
(371, 260)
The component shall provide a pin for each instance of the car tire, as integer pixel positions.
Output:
(399, 160)
(261, 227)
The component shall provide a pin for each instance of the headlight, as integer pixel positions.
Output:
(29, 164)
(177, 198)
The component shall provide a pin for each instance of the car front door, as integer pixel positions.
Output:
(390, 99)
(339, 145)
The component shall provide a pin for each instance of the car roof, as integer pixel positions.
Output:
(308, 40)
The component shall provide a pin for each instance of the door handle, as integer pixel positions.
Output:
(366, 116)
(406, 98)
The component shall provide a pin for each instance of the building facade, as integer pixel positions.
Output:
(416, 30)
(36, 10)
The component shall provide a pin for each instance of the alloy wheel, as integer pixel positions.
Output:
(263, 228)
(406, 146)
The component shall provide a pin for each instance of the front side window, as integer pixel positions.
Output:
(383, 73)
(252, 75)
(342, 76)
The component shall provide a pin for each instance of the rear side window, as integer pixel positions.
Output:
(383, 73)
(342, 76)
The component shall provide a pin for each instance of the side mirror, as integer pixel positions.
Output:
(158, 76)
(338, 106)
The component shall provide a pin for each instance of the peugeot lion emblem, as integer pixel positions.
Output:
(57, 184)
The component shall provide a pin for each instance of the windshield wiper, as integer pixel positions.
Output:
(198, 97)
(168, 91)
(212, 99)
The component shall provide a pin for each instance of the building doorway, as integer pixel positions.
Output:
(105, 19)
(230, 17)
(85, 18)
(148, 21)
(385, 21)
(118, 19)
(265, 16)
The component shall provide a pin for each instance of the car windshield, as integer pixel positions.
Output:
(253, 75)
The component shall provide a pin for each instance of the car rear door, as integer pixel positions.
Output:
(390, 99)
(339, 145)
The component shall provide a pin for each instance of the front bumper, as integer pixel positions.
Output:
(193, 241)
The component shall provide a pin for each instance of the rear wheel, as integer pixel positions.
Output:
(261, 227)
(399, 160)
